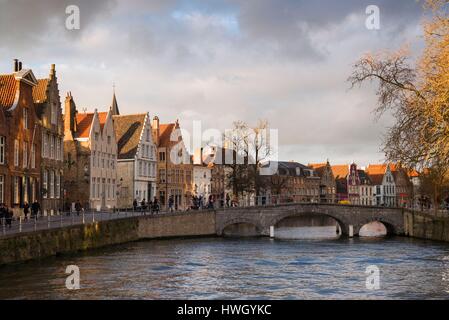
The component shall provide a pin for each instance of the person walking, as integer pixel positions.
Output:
(228, 199)
(26, 210)
(155, 205)
(171, 202)
(8, 217)
(78, 207)
(135, 205)
(143, 205)
(2, 214)
(35, 208)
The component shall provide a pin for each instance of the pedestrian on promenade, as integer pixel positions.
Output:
(155, 205)
(78, 207)
(135, 205)
(150, 206)
(35, 208)
(143, 205)
(171, 202)
(8, 217)
(26, 210)
(2, 214)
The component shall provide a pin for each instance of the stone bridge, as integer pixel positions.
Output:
(350, 218)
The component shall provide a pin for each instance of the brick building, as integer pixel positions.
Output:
(48, 105)
(328, 186)
(90, 150)
(20, 139)
(175, 168)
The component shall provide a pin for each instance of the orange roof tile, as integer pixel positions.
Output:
(375, 169)
(340, 171)
(165, 131)
(316, 165)
(84, 123)
(8, 88)
(40, 91)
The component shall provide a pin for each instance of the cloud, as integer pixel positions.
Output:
(219, 61)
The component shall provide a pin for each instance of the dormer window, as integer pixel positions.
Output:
(96, 136)
(109, 139)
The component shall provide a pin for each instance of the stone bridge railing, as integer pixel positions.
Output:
(351, 218)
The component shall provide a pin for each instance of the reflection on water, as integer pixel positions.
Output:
(306, 233)
(250, 268)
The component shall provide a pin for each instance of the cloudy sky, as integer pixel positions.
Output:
(221, 61)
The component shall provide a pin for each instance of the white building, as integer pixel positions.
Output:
(383, 184)
(202, 181)
(137, 162)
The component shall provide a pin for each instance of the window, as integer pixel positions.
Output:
(2, 151)
(148, 135)
(52, 147)
(58, 185)
(161, 156)
(162, 175)
(45, 183)
(109, 188)
(113, 188)
(2, 189)
(92, 194)
(98, 188)
(109, 139)
(44, 144)
(25, 154)
(16, 189)
(140, 168)
(52, 184)
(25, 118)
(96, 136)
(58, 148)
(16, 153)
(33, 156)
(54, 113)
(61, 156)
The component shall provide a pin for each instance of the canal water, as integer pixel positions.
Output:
(240, 268)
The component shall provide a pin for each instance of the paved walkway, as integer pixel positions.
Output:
(58, 221)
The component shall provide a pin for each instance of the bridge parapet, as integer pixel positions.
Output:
(263, 217)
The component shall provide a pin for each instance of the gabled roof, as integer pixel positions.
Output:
(128, 130)
(340, 171)
(376, 173)
(84, 123)
(40, 91)
(364, 177)
(8, 88)
(319, 168)
(165, 133)
(290, 168)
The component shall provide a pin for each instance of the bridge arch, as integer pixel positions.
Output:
(344, 225)
(388, 224)
(239, 221)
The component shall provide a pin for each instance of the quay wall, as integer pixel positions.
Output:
(44, 243)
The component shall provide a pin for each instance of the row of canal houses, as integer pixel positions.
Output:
(102, 159)
(376, 185)
(105, 159)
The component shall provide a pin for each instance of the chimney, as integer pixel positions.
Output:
(53, 70)
(20, 65)
(16, 65)
(155, 130)
(69, 117)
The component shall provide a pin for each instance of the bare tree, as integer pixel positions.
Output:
(417, 95)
